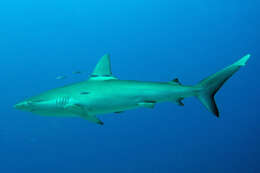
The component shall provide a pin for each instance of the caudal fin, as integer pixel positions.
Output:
(213, 83)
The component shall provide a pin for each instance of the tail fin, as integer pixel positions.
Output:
(213, 83)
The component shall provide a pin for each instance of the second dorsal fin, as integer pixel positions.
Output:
(176, 81)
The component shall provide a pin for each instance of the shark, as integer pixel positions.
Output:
(103, 93)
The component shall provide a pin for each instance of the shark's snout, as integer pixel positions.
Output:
(22, 105)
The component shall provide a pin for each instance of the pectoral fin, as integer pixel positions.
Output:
(92, 118)
(79, 110)
(75, 108)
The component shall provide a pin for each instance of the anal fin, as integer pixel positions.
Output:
(118, 112)
(179, 102)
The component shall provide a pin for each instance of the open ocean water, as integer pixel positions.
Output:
(147, 40)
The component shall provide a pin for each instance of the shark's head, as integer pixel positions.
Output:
(36, 103)
(29, 105)
(44, 105)
(25, 105)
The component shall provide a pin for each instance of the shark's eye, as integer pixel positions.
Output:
(37, 101)
(84, 93)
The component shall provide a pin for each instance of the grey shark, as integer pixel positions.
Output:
(103, 93)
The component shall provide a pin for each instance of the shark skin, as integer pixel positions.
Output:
(102, 93)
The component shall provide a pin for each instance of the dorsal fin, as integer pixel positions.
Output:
(102, 70)
(176, 81)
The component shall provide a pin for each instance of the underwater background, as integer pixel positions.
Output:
(147, 40)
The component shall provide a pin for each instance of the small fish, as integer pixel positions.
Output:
(76, 72)
(60, 77)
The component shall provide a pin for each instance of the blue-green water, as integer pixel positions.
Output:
(148, 40)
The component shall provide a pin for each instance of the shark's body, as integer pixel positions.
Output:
(103, 93)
